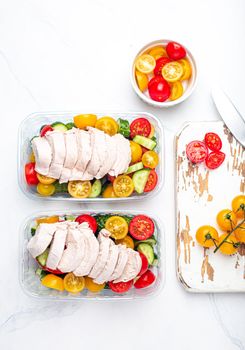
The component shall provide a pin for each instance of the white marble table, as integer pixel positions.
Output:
(64, 55)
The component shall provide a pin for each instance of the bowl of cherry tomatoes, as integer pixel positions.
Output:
(164, 73)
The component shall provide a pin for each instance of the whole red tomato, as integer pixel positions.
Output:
(175, 50)
(30, 174)
(159, 89)
(145, 280)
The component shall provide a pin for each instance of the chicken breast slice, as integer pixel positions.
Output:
(110, 264)
(132, 267)
(91, 251)
(84, 154)
(43, 154)
(71, 155)
(75, 249)
(121, 262)
(42, 239)
(104, 248)
(111, 154)
(56, 140)
(123, 157)
(57, 246)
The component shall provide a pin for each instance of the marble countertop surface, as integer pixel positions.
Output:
(76, 55)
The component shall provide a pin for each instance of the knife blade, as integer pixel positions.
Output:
(230, 115)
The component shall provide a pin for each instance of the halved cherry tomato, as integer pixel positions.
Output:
(172, 71)
(175, 50)
(214, 159)
(230, 245)
(140, 126)
(240, 233)
(150, 159)
(92, 286)
(159, 89)
(109, 192)
(54, 272)
(89, 219)
(186, 68)
(157, 52)
(196, 151)
(32, 158)
(136, 152)
(226, 219)
(145, 280)
(45, 190)
(238, 206)
(127, 241)
(45, 179)
(45, 129)
(117, 226)
(53, 282)
(213, 141)
(152, 133)
(79, 189)
(108, 125)
(111, 178)
(145, 63)
(142, 80)
(123, 186)
(207, 236)
(151, 181)
(30, 174)
(144, 265)
(159, 65)
(141, 227)
(177, 91)
(48, 220)
(73, 284)
(81, 121)
(121, 287)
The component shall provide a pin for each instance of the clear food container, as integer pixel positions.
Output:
(31, 127)
(31, 284)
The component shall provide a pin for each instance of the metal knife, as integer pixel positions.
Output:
(230, 115)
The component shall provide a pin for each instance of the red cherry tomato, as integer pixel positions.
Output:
(151, 181)
(213, 141)
(175, 51)
(159, 89)
(160, 62)
(45, 129)
(196, 151)
(120, 287)
(55, 272)
(141, 227)
(140, 126)
(30, 174)
(145, 280)
(215, 159)
(144, 265)
(111, 178)
(89, 219)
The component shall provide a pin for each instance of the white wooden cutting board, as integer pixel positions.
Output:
(200, 195)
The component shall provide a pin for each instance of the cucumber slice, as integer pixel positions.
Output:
(41, 273)
(145, 142)
(70, 126)
(140, 178)
(135, 167)
(59, 126)
(96, 189)
(152, 241)
(70, 218)
(42, 259)
(148, 251)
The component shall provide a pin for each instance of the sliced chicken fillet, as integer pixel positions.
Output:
(56, 140)
(43, 155)
(71, 155)
(110, 265)
(123, 157)
(132, 267)
(110, 158)
(121, 262)
(104, 247)
(57, 246)
(42, 239)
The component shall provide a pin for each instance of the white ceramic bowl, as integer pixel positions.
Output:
(188, 86)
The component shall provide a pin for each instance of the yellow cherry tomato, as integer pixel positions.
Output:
(53, 282)
(45, 190)
(123, 186)
(150, 159)
(176, 91)
(226, 219)
(48, 220)
(109, 192)
(142, 80)
(117, 226)
(81, 121)
(92, 286)
(152, 133)
(187, 71)
(127, 241)
(207, 236)
(32, 158)
(136, 152)
(79, 189)
(73, 284)
(145, 63)
(158, 51)
(230, 246)
(45, 179)
(240, 233)
(238, 206)
(172, 71)
(108, 125)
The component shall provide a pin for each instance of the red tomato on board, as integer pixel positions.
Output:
(213, 141)
(30, 174)
(145, 280)
(45, 129)
(144, 265)
(140, 126)
(151, 181)
(196, 151)
(215, 159)
(175, 50)
(120, 287)
(89, 219)
(160, 62)
(159, 89)
(141, 227)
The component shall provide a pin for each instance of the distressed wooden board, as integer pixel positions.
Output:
(200, 195)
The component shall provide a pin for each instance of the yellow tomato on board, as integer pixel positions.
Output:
(226, 219)
(240, 233)
(238, 206)
(230, 246)
(207, 236)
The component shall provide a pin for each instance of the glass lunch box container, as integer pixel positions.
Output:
(32, 286)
